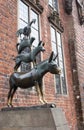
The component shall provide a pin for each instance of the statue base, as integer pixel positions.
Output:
(30, 107)
(42, 117)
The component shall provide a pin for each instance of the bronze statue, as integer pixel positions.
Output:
(29, 57)
(26, 30)
(35, 75)
(25, 42)
(33, 78)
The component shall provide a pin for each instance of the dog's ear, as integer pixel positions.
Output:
(51, 57)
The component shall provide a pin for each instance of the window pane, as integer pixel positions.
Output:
(23, 11)
(58, 88)
(58, 39)
(53, 40)
(53, 37)
(64, 85)
(54, 48)
(35, 27)
(35, 33)
(60, 51)
(51, 2)
(57, 47)
(61, 63)
(22, 24)
(56, 5)
(23, 15)
(34, 16)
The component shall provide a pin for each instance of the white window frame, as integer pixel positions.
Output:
(61, 87)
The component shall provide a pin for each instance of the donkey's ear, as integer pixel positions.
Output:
(43, 44)
(51, 57)
(39, 43)
(55, 57)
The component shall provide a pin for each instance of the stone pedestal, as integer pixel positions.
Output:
(32, 119)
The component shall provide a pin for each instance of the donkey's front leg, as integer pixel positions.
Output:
(42, 95)
(40, 92)
(9, 100)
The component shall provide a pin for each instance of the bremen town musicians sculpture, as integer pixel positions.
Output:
(35, 75)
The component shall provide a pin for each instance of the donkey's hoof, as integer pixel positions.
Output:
(10, 105)
(43, 101)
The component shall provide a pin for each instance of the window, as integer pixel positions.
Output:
(35, 27)
(26, 14)
(23, 15)
(57, 48)
(53, 4)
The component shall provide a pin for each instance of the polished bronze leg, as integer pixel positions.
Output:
(40, 93)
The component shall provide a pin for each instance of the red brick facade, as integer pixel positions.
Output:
(73, 47)
(8, 20)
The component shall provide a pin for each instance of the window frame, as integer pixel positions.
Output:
(64, 70)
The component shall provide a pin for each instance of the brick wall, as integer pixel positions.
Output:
(8, 24)
(79, 52)
(68, 33)
(8, 27)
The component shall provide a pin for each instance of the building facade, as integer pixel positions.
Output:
(59, 24)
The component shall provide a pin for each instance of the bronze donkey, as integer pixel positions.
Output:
(33, 78)
(29, 57)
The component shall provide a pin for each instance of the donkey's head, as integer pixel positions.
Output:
(53, 68)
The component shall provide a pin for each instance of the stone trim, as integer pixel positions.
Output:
(55, 20)
(36, 5)
(68, 6)
(80, 8)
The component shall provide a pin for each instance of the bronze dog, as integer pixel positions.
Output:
(29, 57)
